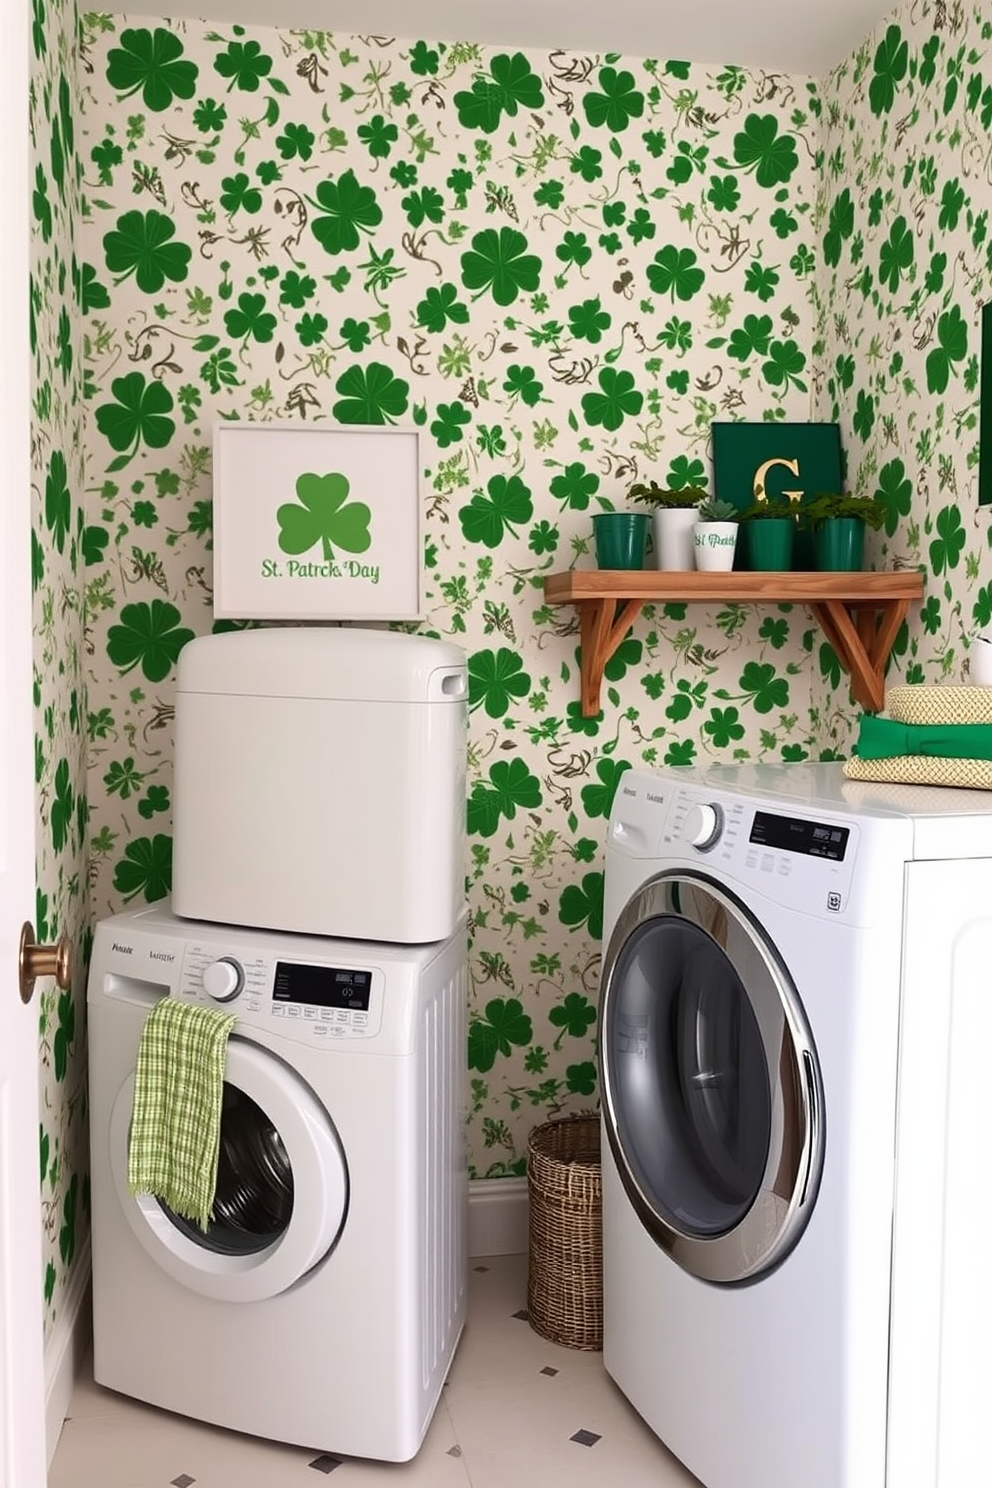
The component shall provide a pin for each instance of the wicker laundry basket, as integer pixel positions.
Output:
(565, 1266)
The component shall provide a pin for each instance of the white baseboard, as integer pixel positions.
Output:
(497, 1216)
(66, 1348)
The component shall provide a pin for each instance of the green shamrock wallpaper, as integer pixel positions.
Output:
(561, 267)
(904, 200)
(59, 664)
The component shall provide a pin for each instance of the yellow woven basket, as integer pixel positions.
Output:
(929, 704)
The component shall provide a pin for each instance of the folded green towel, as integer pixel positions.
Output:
(884, 738)
(178, 1093)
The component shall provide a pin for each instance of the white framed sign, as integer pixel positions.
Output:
(316, 523)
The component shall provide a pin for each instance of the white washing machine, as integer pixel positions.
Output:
(324, 1303)
(796, 1020)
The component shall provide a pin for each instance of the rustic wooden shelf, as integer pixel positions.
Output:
(859, 613)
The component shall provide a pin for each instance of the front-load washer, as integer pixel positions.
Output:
(324, 1302)
(794, 1031)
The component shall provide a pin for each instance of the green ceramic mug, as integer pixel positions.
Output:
(839, 545)
(768, 544)
(620, 538)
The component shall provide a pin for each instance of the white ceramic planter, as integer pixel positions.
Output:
(671, 532)
(714, 544)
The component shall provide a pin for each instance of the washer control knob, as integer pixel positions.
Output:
(223, 979)
(703, 826)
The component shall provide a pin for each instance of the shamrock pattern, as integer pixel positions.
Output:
(58, 292)
(561, 267)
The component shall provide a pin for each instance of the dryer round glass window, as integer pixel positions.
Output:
(253, 1200)
(711, 1089)
(282, 1196)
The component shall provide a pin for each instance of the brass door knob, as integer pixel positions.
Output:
(34, 960)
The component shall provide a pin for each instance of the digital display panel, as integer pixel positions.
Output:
(790, 834)
(322, 986)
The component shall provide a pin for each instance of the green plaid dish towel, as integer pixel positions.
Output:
(178, 1093)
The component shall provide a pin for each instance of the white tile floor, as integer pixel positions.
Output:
(516, 1412)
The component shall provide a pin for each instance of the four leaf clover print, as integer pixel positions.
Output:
(342, 208)
(141, 246)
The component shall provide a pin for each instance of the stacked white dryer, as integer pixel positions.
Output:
(318, 892)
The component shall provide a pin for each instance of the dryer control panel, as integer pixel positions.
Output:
(802, 858)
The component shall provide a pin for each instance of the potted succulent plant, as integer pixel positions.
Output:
(769, 531)
(714, 535)
(673, 518)
(837, 522)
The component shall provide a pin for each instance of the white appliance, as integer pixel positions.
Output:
(324, 1304)
(320, 782)
(795, 1025)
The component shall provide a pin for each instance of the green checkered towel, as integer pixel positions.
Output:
(178, 1092)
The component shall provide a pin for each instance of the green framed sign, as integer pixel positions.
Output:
(778, 463)
(775, 462)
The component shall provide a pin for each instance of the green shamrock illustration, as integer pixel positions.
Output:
(323, 516)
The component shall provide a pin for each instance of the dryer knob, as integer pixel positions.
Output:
(703, 826)
(223, 979)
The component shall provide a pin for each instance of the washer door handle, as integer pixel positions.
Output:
(812, 1123)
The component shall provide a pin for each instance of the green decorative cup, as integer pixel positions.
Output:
(768, 544)
(620, 538)
(839, 545)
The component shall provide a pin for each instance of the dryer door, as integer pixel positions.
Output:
(712, 1097)
(282, 1186)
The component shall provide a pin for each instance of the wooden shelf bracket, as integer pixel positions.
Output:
(862, 643)
(859, 614)
(603, 625)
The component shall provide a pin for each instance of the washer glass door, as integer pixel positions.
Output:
(712, 1097)
(282, 1185)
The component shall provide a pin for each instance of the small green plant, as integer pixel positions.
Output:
(711, 509)
(828, 504)
(651, 494)
(768, 511)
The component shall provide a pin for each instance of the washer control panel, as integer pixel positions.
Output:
(302, 998)
(332, 1001)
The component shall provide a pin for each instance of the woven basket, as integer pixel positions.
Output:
(939, 703)
(931, 703)
(565, 1266)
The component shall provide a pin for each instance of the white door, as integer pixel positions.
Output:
(22, 1414)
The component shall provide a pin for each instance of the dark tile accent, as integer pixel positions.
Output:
(549, 1371)
(523, 1315)
(183, 1481)
(454, 1451)
(585, 1438)
(325, 1463)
